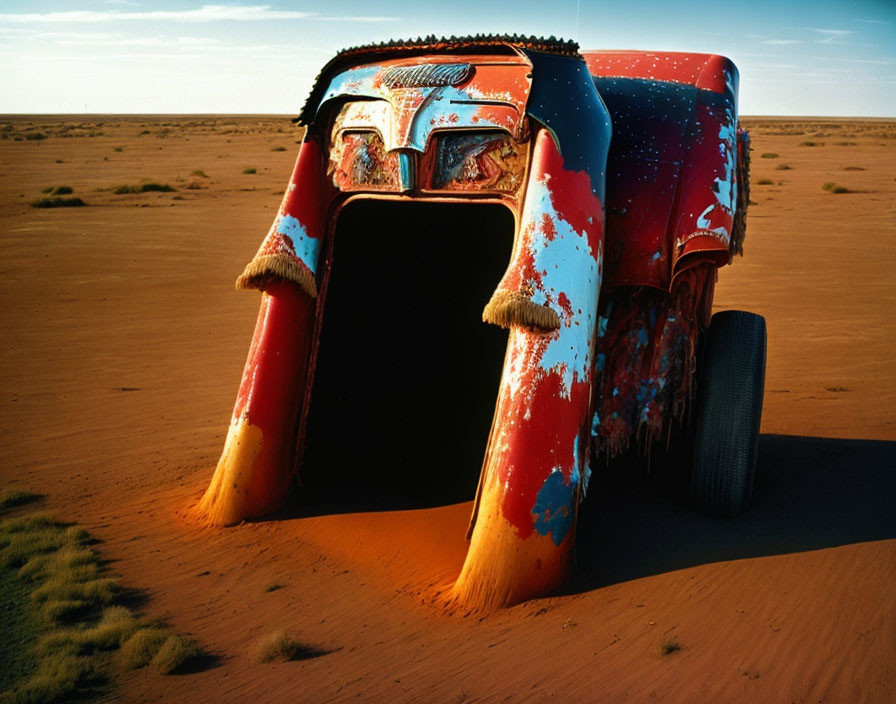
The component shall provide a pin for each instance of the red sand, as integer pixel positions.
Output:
(123, 342)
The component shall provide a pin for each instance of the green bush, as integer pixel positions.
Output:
(143, 187)
(57, 202)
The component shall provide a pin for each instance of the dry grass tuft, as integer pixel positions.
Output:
(250, 170)
(14, 497)
(140, 649)
(832, 187)
(667, 647)
(764, 182)
(279, 645)
(770, 155)
(142, 187)
(174, 653)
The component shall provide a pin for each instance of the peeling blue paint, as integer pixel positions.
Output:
(568, 352)
(306, 248)
(553, 509)
(355, 81)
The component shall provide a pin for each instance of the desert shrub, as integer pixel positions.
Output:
(48, 189)
(57, 678)
(667, 647)
(174, 653)
(770, 155)
(14, 497)
(118, 149)
(63, 191)
(139, 650)
(783, 167)
(249, 170)
(142, 187)
(764, 182)
(57, 202)
(853, 168)
(832, 187)
(35, 136)
(809, 143)
(279, 645)
(278, 149)
(200, 173)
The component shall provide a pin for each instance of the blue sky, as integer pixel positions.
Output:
(826, 57)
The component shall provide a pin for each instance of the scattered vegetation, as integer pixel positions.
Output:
(11, 498)
(832, 187)
(853, 168)
(667, 647)
(770, 155)
(279, 645)
(809, 143)
(783, 167)
(118, 149)
(71, 616)
(764, 182)
(35, 136)
(249, 170)
(57, 202)
(200, 173)
(278, 148)
(144, 186)
(273, 587)
(847, 144)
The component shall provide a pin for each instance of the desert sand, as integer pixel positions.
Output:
(122, 347)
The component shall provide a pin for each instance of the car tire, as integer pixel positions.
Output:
(731, 381)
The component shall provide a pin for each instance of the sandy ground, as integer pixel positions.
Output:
(122, 346)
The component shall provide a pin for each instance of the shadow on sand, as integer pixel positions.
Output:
(810, 493)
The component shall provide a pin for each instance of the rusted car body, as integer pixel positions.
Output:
(625, 176)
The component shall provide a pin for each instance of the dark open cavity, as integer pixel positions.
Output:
(407, 373)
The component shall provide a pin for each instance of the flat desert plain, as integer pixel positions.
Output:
(123, 342)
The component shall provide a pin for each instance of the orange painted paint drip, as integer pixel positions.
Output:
(253, 475)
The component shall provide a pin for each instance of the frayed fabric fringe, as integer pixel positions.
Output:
(269, 267)
(512, 308)
(739, 230)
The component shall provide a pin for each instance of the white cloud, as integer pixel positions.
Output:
(832, 35)
(207, 13)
